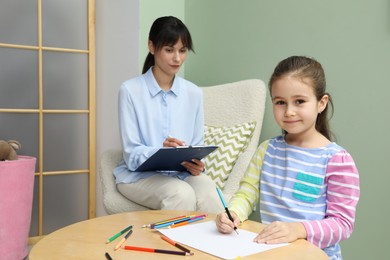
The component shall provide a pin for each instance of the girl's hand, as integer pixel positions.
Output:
(224, 224)
(173, 142)
(195, 167)
(281, 232)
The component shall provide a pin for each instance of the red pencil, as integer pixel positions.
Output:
(153, 250)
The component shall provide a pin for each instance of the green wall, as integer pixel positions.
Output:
(237, 40)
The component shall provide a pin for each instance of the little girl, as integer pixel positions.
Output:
(309, 185)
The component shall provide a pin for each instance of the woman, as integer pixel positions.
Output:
(160, 109)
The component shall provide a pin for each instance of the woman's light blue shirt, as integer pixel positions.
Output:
(148, 115)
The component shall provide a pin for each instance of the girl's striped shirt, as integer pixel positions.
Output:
(316, 186)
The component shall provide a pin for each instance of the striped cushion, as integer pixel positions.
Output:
(232, 141)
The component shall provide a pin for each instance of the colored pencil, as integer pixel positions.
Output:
(186, 222)
(163, 221)
(226, 208)
(178, 221)
(153, 250)
(118, 234)
(170, 241)
(123, 240)
(108, 257)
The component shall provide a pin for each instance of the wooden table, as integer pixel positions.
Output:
(86, 240)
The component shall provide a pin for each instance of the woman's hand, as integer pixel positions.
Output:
(195, 167)
(281, 232)
(173, 142)
(224, 224)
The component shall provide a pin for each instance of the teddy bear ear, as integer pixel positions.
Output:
(15, 144)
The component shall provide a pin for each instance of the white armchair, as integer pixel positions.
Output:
(224, 105)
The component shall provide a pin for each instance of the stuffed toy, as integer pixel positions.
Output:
(8, 150)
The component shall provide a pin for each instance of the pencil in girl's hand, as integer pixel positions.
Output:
(226, 208)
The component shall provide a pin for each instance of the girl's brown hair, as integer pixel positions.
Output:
(310, 71)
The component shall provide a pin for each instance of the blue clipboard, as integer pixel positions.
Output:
(170, 158)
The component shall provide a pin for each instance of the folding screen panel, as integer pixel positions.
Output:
(47, 102)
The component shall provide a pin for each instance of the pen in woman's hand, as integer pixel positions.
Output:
(173, 142)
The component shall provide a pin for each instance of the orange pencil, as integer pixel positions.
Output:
(186, 222)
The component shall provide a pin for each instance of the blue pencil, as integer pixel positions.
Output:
(166, 224)
(226, 208)
(182, 223)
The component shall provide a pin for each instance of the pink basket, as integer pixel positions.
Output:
(16, 197)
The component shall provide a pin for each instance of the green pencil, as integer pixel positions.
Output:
(118, 234)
